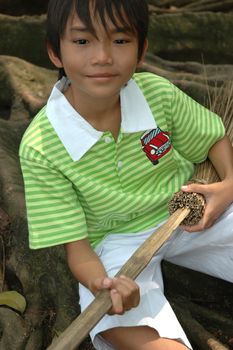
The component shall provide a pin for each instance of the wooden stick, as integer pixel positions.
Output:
(82, 325)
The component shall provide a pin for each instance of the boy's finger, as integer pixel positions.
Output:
(128, 290)
(102, 283)
(191, 229)
(203, 224)
(107, 282)
(125, 283)
(117, 304)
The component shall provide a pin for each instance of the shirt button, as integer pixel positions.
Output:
(107, 139)
(120, 164)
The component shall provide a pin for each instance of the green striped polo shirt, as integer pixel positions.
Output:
(81, 183)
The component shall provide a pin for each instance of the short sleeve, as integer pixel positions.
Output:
(54, 213)
(194, 128)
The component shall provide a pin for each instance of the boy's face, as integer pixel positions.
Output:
(99, 64)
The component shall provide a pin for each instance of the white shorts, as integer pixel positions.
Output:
(210, 252)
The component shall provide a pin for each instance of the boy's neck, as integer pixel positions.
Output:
(103, 115)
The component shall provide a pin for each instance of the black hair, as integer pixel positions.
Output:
(132, 13)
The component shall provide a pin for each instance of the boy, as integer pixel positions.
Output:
(103, 157)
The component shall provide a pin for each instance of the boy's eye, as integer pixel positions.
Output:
(81, 41)
(121, 41)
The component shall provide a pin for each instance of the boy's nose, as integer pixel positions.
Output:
(102, 55)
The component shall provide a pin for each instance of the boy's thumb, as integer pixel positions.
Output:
(192, 188)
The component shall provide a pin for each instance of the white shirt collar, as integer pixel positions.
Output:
(78, 136)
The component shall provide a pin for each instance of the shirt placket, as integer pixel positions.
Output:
(119, 163)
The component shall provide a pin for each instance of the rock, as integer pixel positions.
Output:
(184, 6)
(24, 37)
(197, 79)
(23, 7)
(203, 37)
(203, 305)
(24, 88)
(41, 276)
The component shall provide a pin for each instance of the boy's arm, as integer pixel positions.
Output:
(88, 269)
(218, 195)
(84, 264)
(221, 156)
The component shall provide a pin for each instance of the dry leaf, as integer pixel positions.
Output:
(14, 300)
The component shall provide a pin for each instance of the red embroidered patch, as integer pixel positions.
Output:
(155, 143)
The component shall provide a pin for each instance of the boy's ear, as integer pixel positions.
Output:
(145, 47)
(53, 57)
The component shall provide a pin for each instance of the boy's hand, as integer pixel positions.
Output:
(124, 292)
(218, 197)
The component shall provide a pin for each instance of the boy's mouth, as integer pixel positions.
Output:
(101, 75)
